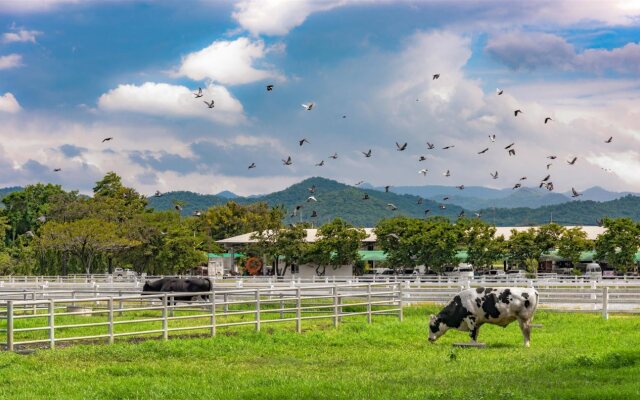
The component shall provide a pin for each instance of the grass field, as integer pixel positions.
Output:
(574, 356)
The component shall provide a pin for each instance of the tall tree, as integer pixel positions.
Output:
(478, 238)
(619, 244)
(548, 236)
(523, 248)
(337, 245)
(23, 208)
(399, 237)
(438, 244)
(572, 243)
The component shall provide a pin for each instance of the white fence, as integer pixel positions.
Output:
(47, 322)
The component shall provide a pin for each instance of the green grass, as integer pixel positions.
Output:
(574, 356)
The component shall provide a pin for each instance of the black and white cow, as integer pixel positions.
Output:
(179, 285)
(471, 308)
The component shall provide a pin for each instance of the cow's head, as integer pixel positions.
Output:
(437, 328)
(146, 287)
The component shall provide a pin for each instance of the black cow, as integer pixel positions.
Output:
(471, 308)
(179, 285)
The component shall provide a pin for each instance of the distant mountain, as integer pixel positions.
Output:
(227, 194)
(431, 191)
(8, 190)
(597, 193)
(523, 197)
(192, 201)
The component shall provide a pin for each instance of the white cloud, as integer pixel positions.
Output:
(9, 104)
(625, 59)
(531, 50)
(228, 62)
(31, 6)
(278, 17)
(171, 100)
(20, 36)
(10, 61)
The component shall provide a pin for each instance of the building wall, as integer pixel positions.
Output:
(309, 271)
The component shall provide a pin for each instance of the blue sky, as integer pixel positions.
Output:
(74, 72)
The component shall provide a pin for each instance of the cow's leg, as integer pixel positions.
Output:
(473, 328)
(525, 327)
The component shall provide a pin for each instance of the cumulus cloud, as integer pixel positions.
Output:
(228, 62)
(10, 61)
(31, 6)
(531, 50)
(9, 104)
(163, 99)
(20, 36)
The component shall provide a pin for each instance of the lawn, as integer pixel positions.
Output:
(577, 356)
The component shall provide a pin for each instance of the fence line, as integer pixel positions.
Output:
(48, 322)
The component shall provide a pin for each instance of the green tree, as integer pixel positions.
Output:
(23, 208)
(399, 237)
(438, 244)
(619, 244)
(478, 238)
(548, 236)
(524, 249)
(233, 219)
(337, 245)
(572, 243)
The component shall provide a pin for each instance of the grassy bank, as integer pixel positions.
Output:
(572, 356)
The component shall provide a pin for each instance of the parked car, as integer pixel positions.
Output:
(593, 270)
(124, 273)
(462, 270)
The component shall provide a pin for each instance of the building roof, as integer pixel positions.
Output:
(592, 231)
(312, 236)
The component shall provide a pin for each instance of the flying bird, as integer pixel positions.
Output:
(302, 141)
(386, 189)
(311, 198)
(423, 172)
(574, 193)
(430, 146)
(512, 152)
(435, 76)
(392, 206)
(492, 138)
(366, 196)
(461, 187)
(552, 157)
(210, 105)
(509, 146)
(197, 213)
(478, 214)
(517, 185)
(314, 214)
(57, 169)
(427, 211)
(448, 147)
(573, 161)
(445, 198)
(287, 161)
(447, 173)
(253, 165)
(401, 147)
(515, 113)
(367, 154)
(320, 164)
(199, 94)
(499, 91)
(308, 107)
(312, 189)
(178, 207)
(422, 158)
(359, 183)
(609, 140)
(549, 165)
(394, 236)
(157, 194)
(420, 200)
(494, 175)
(483, 151)
(334, 156)
(442, 206)
(547, 119)
(461, 214)
(549, 186)
(269, 88)
(523, 178)
(107, 139)
(546, 178)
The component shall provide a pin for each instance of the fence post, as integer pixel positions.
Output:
(120, 303)
(226, 306)
(110, 326)
(52, 330)
(10, 325)
(605, 302)
(165, 314)
(369, 303)
(213, 313)
(400, 303)
(257, 310)
(281, 306)
(298, 311)
(335, 306)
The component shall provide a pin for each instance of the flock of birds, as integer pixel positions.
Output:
(511, 151)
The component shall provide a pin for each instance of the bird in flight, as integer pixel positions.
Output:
(509, 146)
(394, 236)
(448, 147)
(483, 151)
(430, 146)
(461, 214)
(549, 186)
(392, 206)
(547, 119)
(423, 172)
(420, 200)
(334, 156)
(461, 187)
(197, 213)
(546, 178)
(573, 161)
(320, 164)
(157, 194)
(478, 214)
(199, 93)
(367, 154)
(253, 165)
(549, 165)
(492, 138)
(210, 105)
(269, 88)
(447, 173)
(302, 141)
(427, 211)
(57, 169)
(287, 161)
(435, 76)
(178, 207)
(515, 113)
(609, 140)
(308, 107)
(401, 148)
(512, 152)
(494, 175)
(552, 157)
(359, 183)
(499, 91)
(574, 193)
(366, 196)
(107, 139)
(523, 178)
(311, 198)
(314, 214)
(312, 189)
(517, 185)
(386, 189)
(422, 158)
(442, 206)
(445, 198)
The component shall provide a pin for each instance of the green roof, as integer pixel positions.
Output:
(372, 255)
(224, 255)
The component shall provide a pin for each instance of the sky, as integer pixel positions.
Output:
(74, 72)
